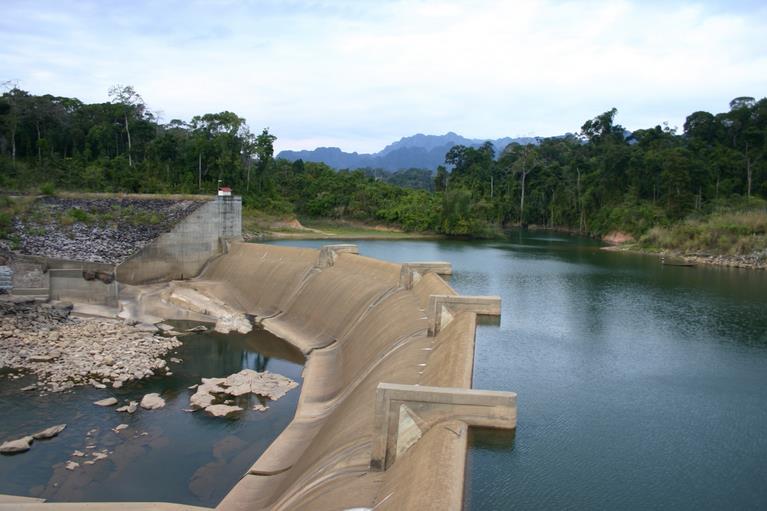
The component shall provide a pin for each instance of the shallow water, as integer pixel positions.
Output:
(641, 386)
(184, 457)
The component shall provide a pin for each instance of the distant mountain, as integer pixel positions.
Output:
(418, 151)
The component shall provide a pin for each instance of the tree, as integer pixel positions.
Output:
(132, 105)
(264, 149)
(440, 179)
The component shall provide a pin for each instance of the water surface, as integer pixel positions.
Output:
(640, 386)
(164, 455)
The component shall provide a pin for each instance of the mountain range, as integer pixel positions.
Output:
(417, 151)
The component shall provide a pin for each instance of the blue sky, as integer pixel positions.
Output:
(358, 74)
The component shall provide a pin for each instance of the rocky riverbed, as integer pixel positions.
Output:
(96, 230)
(63, 351)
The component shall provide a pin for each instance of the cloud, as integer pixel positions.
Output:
(360, 74)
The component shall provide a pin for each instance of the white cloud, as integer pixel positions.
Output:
(360, 74)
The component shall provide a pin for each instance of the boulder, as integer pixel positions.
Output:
(49, 432)
(129, 408)
(110, 401)
(14, 446)
(152, 401)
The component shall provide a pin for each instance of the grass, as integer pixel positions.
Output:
(722, 232)
(11, 207)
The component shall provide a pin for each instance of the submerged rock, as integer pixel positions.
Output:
(152, 401)
(71, 465)
(110, 401)
(18, 445)
(49, 432)
(222, 410)
(129, 408)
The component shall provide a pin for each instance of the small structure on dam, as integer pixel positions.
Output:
(386, 400)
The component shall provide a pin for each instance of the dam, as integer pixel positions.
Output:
(386, 400)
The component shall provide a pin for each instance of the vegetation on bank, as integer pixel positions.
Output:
(599, 180)
(728, 230)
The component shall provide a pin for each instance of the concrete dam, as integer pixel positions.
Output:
(386, 402)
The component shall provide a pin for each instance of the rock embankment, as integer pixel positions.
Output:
(96, 230)
(754, 261)
(64, 351)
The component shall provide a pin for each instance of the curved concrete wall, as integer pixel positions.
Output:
(359, 327)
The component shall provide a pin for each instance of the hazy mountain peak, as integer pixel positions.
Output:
(415, 151)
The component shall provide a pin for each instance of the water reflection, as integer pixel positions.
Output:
(164, 455)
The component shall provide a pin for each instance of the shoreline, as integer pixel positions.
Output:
(720, 261)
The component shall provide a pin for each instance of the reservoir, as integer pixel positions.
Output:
(640, 385)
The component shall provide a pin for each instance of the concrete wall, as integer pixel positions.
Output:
(61, 279)
(76, 286)
(184, 251)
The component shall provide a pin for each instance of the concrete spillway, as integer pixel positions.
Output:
(386, 401)
(355, 443)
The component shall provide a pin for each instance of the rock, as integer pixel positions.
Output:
(29, 387)
(175, 360)
(260, 408)
(49, 432)
(222, 410)
(198, 328)
(98, 456)
(152, 401)
(41, 358)
(145, 327)
(201, 400)
(14, 446)
(79, 454)
(164, 327)
(117, 384)
(130, 407)
(110, 401)
(119, 428)
(71, 465)
(97, 384)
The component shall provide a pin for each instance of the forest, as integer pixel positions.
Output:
(602, 179)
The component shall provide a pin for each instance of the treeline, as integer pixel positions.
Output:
(121, 145)
(604, 178)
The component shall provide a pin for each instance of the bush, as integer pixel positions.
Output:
(48, 189)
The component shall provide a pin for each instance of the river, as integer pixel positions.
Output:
(640, 386)
(166, 455)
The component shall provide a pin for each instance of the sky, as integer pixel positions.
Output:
(359, 74)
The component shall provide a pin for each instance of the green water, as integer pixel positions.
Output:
(183, 457)
(640, 386)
